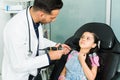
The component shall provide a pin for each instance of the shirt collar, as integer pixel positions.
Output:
(36, 25)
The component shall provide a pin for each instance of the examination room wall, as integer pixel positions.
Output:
(74, 14)
(115, 17)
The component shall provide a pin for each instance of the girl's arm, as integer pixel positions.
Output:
(62, 75)
(90, 73)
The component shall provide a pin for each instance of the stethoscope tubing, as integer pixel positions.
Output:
(30, 50)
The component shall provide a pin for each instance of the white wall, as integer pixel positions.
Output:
(4, 17)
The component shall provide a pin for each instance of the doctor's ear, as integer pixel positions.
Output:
(41, 14)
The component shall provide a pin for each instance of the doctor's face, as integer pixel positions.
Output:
(47, 18)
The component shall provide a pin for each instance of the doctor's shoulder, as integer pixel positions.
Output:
(17, 21)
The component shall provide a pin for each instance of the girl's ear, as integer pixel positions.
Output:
(94, 45)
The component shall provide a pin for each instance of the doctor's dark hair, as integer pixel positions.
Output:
(47, 5)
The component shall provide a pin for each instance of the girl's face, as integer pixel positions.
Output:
(87, 41)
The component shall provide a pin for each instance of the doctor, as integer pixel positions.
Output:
(22, 40)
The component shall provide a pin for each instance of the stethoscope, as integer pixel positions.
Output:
(29, 48)
(28, 23)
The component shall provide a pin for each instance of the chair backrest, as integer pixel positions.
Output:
(109, 49)
(105, 33)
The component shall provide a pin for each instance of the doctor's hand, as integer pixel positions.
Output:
(55, 55)
(62, 49)
(66, 49)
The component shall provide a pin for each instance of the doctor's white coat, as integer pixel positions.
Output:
(18, 63)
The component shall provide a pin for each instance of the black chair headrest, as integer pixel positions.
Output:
(105, 33)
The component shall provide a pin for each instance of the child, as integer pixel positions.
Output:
(83, 65)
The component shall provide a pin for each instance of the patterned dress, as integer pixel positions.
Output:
(74, 68)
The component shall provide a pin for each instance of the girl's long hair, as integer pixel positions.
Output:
(93, 50)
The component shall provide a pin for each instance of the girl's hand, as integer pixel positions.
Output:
(61, 77)
(82, 57)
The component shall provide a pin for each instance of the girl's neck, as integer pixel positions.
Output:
(84, 51)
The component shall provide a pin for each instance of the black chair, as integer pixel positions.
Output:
(109, 51)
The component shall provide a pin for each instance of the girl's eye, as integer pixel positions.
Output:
(81, 36)
(88, 38)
